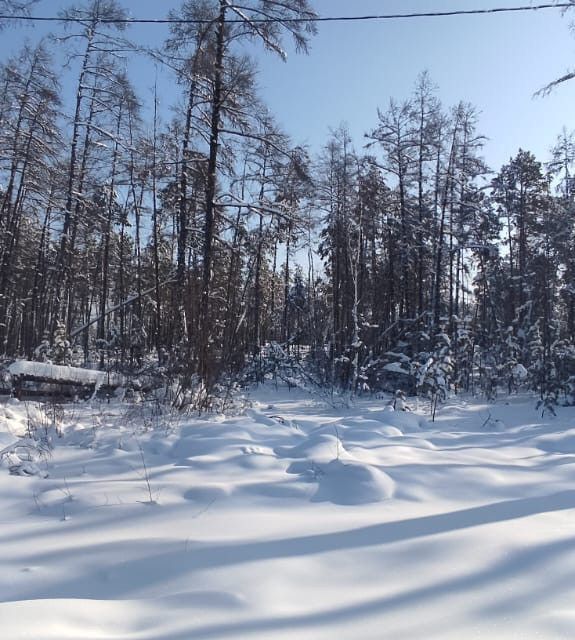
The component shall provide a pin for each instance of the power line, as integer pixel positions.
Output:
(307, 19)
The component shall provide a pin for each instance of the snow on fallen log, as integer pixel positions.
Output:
(63, 374)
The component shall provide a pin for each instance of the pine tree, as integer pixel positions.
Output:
(61, 351)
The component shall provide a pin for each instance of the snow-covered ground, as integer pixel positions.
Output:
(293, 521)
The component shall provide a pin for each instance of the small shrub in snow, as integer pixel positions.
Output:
(222, 397)
(42, 353)
(27, 457)
(548, 403)
(434, 376)
(61, 351)
(400, 401)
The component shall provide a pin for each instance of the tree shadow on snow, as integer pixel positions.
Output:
(496, 574)
(123, 569)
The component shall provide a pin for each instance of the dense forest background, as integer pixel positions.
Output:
(212, 250)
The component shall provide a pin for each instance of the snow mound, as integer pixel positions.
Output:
(494, 425)
(207, 494)
(319, 447)
(558, 442)
(362, 429)
(161, 617)
(405, 421)
(341, 479)
(262, 418)
(350, 484)
(195, 443)
(390, 432)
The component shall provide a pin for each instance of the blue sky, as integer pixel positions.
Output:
(496, 62)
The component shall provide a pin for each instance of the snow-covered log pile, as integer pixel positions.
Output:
(44, 372)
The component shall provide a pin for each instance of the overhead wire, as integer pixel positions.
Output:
(303, 19)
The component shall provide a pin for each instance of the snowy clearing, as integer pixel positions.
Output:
(295, 520)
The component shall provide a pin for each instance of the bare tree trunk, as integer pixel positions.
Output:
(107, 235)
(207, 368)
(65, 259)
(156, 233)
(441, 233)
